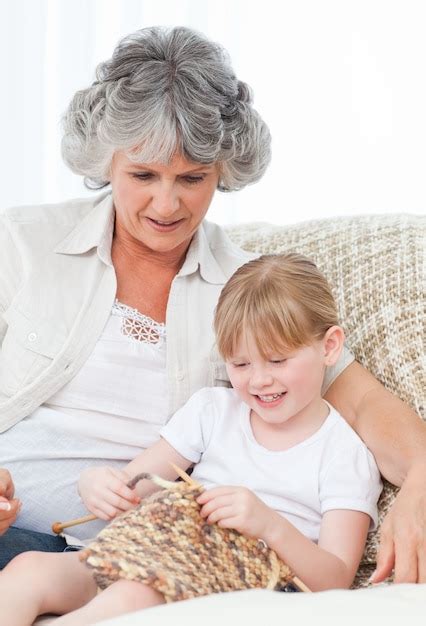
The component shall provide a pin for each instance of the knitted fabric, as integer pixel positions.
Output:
(166, 544)
(375, 266)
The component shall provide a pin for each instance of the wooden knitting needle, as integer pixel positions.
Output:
(58, 527)
(186, 477)
(300, 585)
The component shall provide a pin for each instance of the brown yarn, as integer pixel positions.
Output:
(166, 544)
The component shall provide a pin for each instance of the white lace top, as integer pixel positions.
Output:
(112, 408)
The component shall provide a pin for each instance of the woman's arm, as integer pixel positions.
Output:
(397, 438)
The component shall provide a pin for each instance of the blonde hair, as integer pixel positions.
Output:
(282, 300)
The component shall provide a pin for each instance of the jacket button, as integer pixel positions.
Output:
(32, 337)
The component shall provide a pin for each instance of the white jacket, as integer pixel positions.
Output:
(57, 287)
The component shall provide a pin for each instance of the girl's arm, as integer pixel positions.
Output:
(330, 564)
(397, 438)
(156, 459)
(104, 490)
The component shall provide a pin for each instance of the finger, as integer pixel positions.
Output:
(7, 519)
(121, 504)
(8, 508)
(215, 492)
(119, 487)
(214, 504)
(230, 522)
(6, 484)
(220, 514)
(421, 562)
(128, 494)
(385, 560)
(405, 560)
(104, 511)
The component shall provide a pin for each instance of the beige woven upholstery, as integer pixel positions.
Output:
(375, 265)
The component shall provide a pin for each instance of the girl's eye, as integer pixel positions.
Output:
(239, 364)
(278, 361)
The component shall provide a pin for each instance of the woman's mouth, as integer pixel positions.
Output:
(164, 226)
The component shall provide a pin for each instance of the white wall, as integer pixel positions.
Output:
(340, 82)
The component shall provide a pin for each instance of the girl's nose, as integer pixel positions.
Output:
(261, 378)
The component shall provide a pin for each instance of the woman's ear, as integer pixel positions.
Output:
(333, 340)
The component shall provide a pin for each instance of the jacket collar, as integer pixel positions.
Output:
(97, 228)
(200, 257)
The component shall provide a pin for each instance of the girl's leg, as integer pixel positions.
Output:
(121, 597)
(34, 583)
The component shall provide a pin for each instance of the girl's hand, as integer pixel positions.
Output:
(237, 508)
(105, 493)
(9, 507)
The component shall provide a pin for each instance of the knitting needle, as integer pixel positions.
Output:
(300, 585)
(58, 527)
(186, 477)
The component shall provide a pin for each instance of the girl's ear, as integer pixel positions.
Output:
(333, 340)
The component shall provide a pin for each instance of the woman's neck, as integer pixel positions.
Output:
(127, 250)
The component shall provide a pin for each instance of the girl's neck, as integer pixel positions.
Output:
(293, 431)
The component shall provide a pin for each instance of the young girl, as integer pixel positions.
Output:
(278, 462)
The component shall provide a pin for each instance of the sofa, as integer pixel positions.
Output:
(375, 265)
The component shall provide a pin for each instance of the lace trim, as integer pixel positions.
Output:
(138, 326)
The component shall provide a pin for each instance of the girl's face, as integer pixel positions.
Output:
(161, 206)
(285, 389)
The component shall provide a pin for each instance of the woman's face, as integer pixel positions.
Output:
(161, 206)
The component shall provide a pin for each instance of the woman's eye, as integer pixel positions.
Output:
(142, 175)
(193, 180)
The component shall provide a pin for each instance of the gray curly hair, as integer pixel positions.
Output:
(166, 91)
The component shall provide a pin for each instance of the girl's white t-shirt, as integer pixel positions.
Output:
(332, 469)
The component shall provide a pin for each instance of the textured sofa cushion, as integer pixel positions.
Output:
(375, 265)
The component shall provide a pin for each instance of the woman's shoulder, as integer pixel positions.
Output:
(69, 210)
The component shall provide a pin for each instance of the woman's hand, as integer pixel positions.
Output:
(403, 533)
(237, 508)
(105, 493)
(9, 507)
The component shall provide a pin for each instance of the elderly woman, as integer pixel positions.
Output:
(106, 304)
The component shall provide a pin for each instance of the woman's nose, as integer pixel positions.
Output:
(165, 200)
